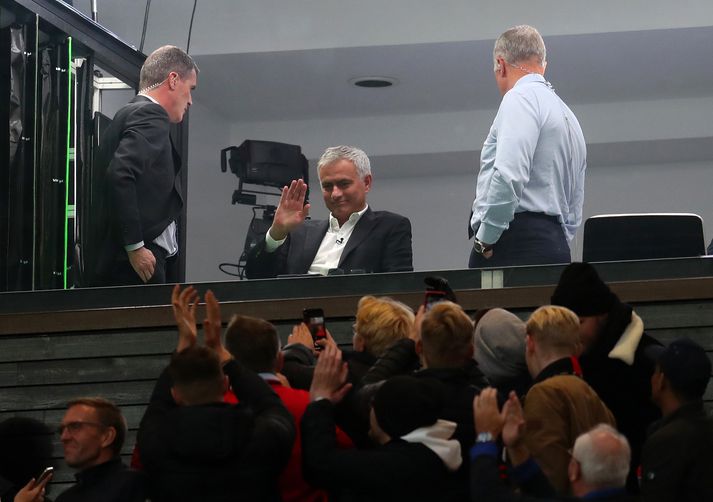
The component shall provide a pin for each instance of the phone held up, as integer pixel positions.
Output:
(314, 319)
(437, 290)
(47, 472)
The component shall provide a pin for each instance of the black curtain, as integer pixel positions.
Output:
(18, 49)
(50, 182)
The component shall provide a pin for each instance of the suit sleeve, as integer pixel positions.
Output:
(142, 141)
(398, 255)
(263, 265)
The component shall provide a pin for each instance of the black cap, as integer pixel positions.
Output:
(405, 403)
(686, 366)
(581, 290)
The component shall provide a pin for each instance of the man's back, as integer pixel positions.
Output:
(218, 451)
(557, 410)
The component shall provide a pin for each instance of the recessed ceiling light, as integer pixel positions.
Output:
(373, 82)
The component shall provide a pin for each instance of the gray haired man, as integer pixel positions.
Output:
(353, 239)
(143, 190)
(530, 188)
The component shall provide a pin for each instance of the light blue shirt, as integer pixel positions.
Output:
(533, 159)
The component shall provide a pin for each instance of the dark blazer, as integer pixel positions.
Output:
(380, 242)
(143, 188)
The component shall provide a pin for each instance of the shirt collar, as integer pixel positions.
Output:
(353, 218)
(530, 77)
(149, 97)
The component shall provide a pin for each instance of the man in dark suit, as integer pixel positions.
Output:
(143, 189)
(355, 238)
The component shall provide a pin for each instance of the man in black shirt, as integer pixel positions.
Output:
(92, 433)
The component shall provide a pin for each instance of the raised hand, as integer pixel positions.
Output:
(330, 376)
(301, 334)
(291, 210)
(33, 491)
(213, 327)
(184, 312)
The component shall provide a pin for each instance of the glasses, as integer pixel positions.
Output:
(74, 427)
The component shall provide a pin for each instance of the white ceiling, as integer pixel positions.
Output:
(451, 76)
(639, 74)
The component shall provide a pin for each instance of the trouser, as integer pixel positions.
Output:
(531, 239)
(165, 272)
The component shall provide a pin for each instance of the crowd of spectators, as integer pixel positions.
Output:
(576, 402)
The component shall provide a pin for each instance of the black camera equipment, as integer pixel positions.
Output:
(266, 166)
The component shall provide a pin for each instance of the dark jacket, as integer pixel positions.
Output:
(461, 386)
(216, 452)
(487, 484)
(143, 188)
(623, 379)
(397, 470)
(380, 242)
(298, 367)
(111, 481)
(677, 459)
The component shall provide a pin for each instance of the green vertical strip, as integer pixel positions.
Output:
(36, 150)
(66, 174)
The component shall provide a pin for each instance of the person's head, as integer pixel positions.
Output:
(682, 373)
(25, 449)
(403, 404)
(253, 342)
(581, 290)
(169, 75)
(517, 52)
(197, 376)
(552, 333)
(600, 460)
(379, 323)
(499, 342)
(92, 432)
(446, 336)
(345, 177)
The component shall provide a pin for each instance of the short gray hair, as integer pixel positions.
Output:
(520, 43)
(604, 456)
(352, 153)
(163, 61)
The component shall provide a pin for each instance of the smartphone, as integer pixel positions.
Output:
(432, 297)
(44, 475)
(314, 319)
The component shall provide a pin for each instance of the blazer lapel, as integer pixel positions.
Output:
(312, 238)
(361, 231)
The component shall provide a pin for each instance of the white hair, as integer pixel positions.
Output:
(604, 456)
(351, 153)
(520, 44)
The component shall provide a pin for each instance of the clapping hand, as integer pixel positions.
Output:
(213, 327)
(184, 312)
